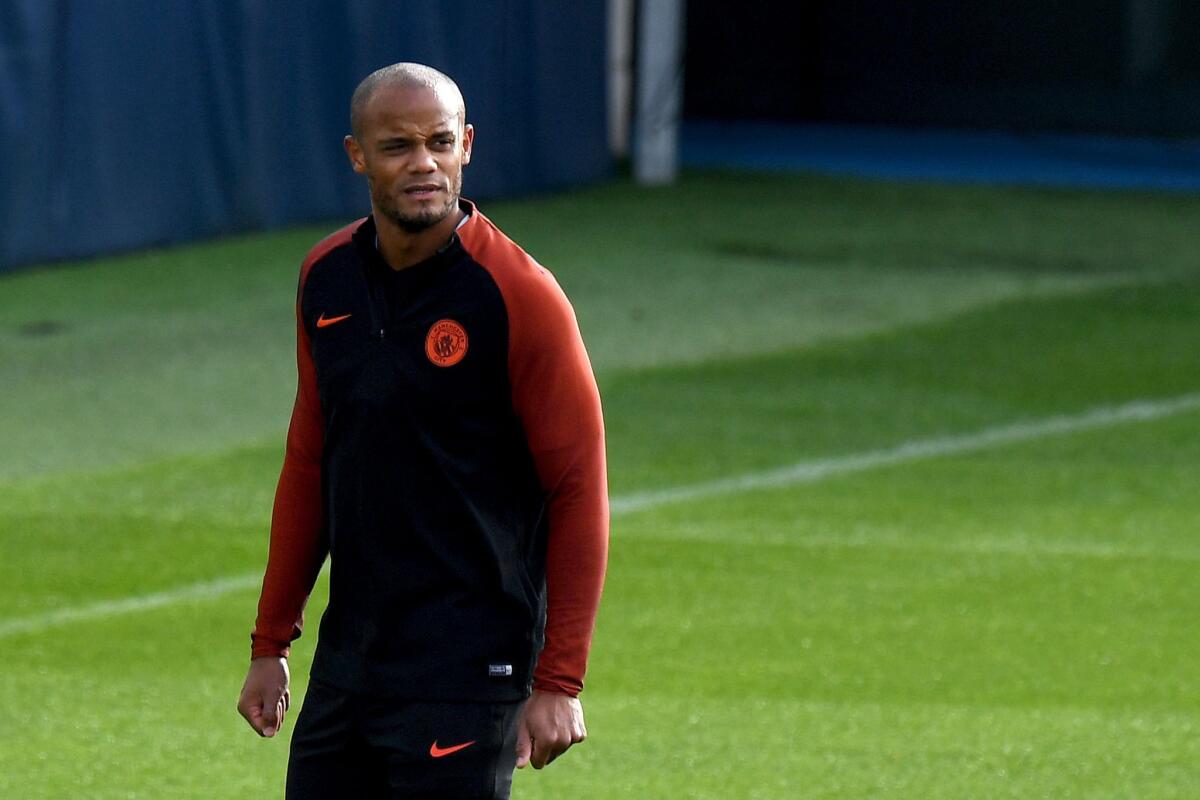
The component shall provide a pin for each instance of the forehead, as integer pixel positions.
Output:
(398, 107)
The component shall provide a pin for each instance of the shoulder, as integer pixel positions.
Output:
(524, 284)
(339, 238)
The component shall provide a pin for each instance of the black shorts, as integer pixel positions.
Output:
(357, 746)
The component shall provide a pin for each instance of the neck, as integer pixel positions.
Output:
(401, 248)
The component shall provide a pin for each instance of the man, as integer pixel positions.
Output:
(446, 450)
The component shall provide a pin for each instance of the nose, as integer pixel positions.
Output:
(423, 160)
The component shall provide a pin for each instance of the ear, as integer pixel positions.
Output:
(467, 140)
(355, 154)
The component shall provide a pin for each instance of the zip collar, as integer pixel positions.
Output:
(382, 281)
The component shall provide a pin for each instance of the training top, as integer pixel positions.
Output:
(446, 450)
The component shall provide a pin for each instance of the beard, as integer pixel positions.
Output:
(426, 217)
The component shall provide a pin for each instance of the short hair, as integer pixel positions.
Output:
(405, 73)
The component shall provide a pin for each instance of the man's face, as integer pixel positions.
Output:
(412, 148)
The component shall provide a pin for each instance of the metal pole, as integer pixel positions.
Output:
(620, 75)
(659, 91)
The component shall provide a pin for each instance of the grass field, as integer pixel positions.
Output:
(938, 534)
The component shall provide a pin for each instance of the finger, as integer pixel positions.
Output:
(545, 750)
(270, 719)
(524, 745)
(243, 707)
(251, 711)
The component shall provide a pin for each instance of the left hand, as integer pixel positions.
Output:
(265, 696)
(550, 723)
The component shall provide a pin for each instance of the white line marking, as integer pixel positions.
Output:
(800, 472)
(812, 471)
(128, 605)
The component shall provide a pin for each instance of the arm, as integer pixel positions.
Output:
(297, 550)
(555, 394)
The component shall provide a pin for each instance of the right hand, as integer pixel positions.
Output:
(265, 696)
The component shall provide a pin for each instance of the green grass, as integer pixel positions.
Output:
(190, 350)
(1011, 622)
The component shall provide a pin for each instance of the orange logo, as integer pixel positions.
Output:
(446, 343)
(325, 323)
(438, 752)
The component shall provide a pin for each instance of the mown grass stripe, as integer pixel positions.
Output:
(800, 472)
(1017, 546)
(815, 470)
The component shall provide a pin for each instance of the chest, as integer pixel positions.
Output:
(432, 346)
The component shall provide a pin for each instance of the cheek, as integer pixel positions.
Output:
(383, 178)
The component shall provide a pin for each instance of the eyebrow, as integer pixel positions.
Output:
(441, 134)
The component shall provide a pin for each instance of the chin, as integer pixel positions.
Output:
(415, 223)
(419, 221)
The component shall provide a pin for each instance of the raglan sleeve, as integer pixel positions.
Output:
(557, 400)
(297, 544)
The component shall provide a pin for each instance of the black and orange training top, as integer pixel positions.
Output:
(446, 450)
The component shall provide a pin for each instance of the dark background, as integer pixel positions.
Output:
(1128, 67)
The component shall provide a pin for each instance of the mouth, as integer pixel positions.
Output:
(421, 191)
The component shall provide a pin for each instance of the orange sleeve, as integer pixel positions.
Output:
(298, 546)
(555, 395)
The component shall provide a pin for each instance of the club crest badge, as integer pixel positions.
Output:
(446, 343)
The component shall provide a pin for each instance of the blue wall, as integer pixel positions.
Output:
(125, 123)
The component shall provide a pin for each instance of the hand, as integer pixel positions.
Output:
(549, 724)
(265, 696)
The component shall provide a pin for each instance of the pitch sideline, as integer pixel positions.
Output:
(800, 472)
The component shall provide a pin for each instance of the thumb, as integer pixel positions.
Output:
(524, 744)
